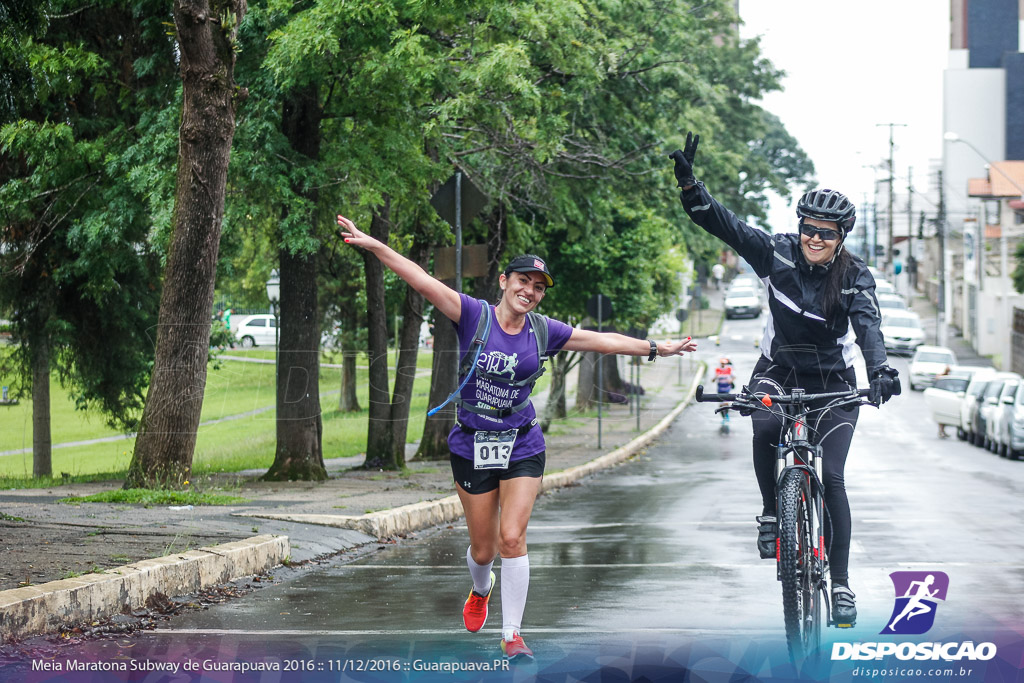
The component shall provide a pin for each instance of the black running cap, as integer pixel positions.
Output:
(529, 263)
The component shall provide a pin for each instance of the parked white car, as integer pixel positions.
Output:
(257, 330)
(901, 331)
(928, 363)
(945, 397)
(994, 428)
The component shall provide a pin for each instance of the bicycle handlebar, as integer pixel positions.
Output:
(786, 399)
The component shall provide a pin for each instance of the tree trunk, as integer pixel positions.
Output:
(443, 380)
(555, 408)
(206, 32)
(379, 436)
(614, 389)
(42, 448)
(408, 344)
(349, 401)
(586, 382)
(299, 454)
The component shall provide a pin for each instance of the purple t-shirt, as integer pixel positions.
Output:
(515, 354)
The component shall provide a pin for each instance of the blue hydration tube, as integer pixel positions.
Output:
(479, 344)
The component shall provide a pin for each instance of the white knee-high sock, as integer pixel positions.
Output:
(481, 573)
(515, 583)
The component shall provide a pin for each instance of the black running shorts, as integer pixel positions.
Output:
(481, 481)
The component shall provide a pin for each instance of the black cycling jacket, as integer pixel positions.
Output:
(797, 335)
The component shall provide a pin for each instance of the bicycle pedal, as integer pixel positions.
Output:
(837, 625)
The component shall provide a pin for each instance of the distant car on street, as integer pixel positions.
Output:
(927, 363)
(891, 302)
(884, 287)
(746, 281)
(901, 331)
(744, 301)
(256, 330)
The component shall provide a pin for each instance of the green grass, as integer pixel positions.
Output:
(149, 497)
(231, 446)
(238, 444)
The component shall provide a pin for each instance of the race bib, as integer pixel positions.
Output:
(492, 450)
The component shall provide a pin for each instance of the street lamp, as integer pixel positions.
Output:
(274, 294)
(950, 136)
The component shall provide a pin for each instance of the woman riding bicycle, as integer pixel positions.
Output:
(821, 301)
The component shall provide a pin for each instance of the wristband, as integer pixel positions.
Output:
(654, 350)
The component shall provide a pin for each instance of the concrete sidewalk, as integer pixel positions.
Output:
(67, 564)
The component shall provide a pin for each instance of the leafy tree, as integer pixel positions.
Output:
(76, 271)
(206, 32)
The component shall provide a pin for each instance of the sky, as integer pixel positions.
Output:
(850, 65)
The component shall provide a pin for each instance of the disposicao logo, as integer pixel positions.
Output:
(917, 598)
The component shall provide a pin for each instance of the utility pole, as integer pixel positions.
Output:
(940, 225)
(910, 261)
(892, 177)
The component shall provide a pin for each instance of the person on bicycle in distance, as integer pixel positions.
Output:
(821, 301)
(498, 501)
(725, 382)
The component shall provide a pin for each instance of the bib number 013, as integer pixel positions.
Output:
(492, 450)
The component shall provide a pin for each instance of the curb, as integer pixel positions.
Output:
(50, 606)
(401, 520)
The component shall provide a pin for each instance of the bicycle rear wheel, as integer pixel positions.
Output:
(798, 568)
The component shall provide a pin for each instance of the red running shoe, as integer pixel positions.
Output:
(474, 612)
(516, 648)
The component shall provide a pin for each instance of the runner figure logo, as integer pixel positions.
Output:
(917, 596)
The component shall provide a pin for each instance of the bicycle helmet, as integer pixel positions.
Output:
(828, 205)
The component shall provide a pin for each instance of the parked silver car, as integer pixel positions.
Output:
(995, 418)
(969, 404)
(986, 403)
(1011, 436)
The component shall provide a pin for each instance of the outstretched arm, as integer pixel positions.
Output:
(611, 342)
(444, 298)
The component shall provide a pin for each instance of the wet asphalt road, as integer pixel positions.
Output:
(653, 561)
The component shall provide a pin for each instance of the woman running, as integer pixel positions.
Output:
(497, 448)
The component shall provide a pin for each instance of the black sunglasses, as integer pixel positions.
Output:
(826, 234)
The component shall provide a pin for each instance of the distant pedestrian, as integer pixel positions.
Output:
(718, 272)
(497, 448)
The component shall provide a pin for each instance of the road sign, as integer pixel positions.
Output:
(473, 200)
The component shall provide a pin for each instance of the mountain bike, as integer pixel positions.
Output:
(800, 553)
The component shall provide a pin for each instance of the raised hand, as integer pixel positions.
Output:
(684, 161)
(354, 236)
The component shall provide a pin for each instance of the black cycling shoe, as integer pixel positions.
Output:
(844, 607)
(767, 532)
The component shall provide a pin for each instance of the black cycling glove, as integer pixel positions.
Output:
(684, 161)
(885, 383)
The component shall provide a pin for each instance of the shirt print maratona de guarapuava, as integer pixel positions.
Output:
(511, 355)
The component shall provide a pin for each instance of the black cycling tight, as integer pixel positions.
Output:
(836, 428)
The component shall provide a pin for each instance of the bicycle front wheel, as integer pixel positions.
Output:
(801, 602)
